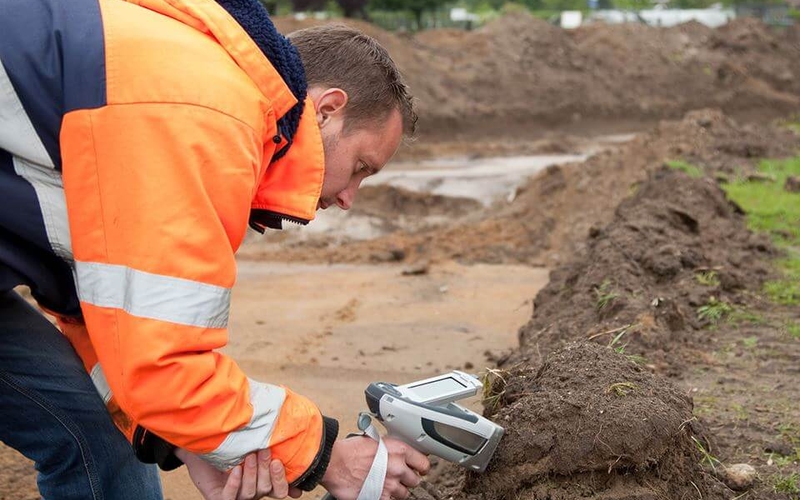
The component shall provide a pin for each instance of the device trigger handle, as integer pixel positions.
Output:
(364, 421)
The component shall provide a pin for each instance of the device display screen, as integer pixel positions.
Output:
(437, 388)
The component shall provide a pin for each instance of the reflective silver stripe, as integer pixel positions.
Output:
(100, 383)
(49, 189)
(17, 134)
(153, 296)
(267, 401)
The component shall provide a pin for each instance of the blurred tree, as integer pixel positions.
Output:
(416, 7)
(354, 8)
(306, 5)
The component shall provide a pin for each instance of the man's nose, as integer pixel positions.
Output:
(346, 198)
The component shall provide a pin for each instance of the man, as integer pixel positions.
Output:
(137, 141)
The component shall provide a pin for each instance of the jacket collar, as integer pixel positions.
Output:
(289, 188)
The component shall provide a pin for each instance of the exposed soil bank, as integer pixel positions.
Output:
(548, 218)
(522, 77)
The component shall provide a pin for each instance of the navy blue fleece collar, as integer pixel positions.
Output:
(253, 17)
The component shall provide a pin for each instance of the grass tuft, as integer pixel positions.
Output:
(793, 329)
(687, 168)
(621, 388)
(494, 381)
(707, 457)
(786, 483)
(707, 278)
(604, 295)
(714, 310)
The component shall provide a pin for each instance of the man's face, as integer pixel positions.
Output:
(352, 155)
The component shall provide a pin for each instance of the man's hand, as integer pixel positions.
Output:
(352, 458)
(257, 477)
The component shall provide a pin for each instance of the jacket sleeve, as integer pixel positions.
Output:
(156, 209)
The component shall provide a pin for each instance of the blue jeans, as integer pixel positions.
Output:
(51, 413)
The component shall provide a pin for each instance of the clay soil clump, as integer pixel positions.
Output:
(589, 422)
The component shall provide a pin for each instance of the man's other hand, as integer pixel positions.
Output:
(352, 458)
(256, 477)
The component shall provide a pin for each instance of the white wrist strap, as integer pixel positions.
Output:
(373, 484)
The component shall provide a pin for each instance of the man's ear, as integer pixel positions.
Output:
(330, 104)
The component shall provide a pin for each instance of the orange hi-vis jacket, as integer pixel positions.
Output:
(136, 140)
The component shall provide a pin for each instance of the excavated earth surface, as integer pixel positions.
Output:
(655, 401)
(551, 215)
(618, 390)
(520, 76)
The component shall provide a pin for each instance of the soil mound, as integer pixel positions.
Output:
(676, 246)
(393, 202)
(549, 217)
(589, 422)
(470, 84)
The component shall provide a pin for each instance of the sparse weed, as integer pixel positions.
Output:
(793, 123)
(687, 168)
(793, 329)
(621, 388)
(707, 278)
(739, 315)
(705, 405)
(616, 344)
(790, 432)
(714, 310)
(782, 461)
(708, 458)
(604, 295)
(786, 483)
(639, 360)
(740, 411)
(750, 342)
(494, 388)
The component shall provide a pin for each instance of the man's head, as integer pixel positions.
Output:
(363, 106)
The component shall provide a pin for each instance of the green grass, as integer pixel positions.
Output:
(707, 278)
(786, 483)
(687, 168)
(793, 329)
(604, 295)
(714, 310)
(772, 209)
(707, 457)
(750, 342)
(739, 315)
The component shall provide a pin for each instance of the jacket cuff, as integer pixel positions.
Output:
(151, 449)
(311, 478)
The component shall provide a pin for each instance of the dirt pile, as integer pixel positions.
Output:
(676, 246)
(519, 75)
(393, 202)
(672, 285)
(590, 423)
(550, 216)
